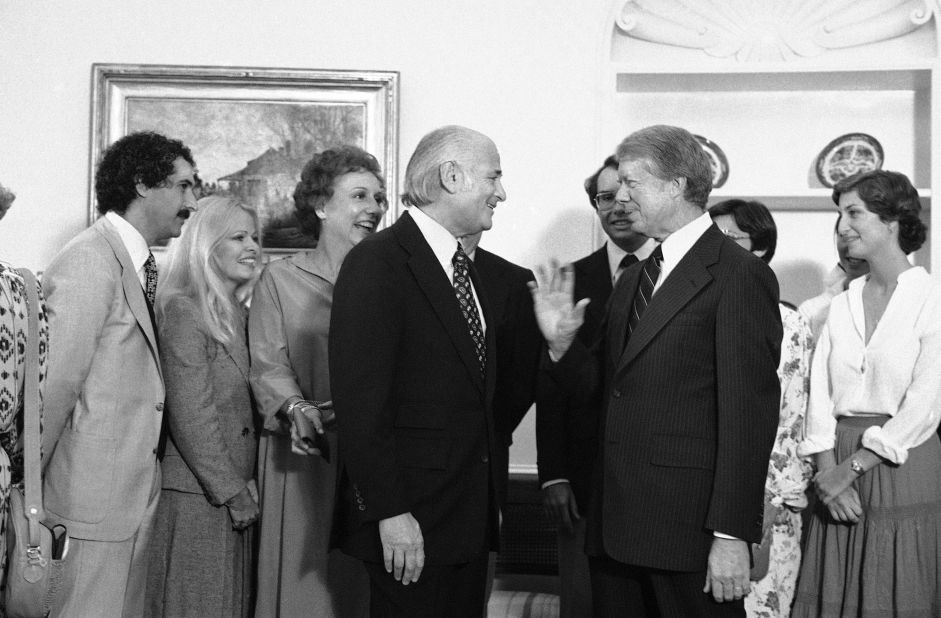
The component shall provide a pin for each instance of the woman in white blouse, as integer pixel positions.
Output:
(874, 545)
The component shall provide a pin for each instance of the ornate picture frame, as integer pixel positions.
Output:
(251, 129)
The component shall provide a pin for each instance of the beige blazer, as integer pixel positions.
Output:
(104, 394)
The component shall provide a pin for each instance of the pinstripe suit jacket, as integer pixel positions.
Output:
(690, 407)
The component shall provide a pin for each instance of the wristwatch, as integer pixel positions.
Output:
(857, 467)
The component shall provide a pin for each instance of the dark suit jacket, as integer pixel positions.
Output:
(566, 430)
(690, 408)
(518, 346)
(414, 416)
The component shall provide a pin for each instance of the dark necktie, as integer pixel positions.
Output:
(150, 279)
(648, 279)
(626, 262)
(465, 296)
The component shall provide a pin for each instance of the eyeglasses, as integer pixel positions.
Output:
(735, 235)
(605, 201)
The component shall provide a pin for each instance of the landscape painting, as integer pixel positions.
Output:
(251, 134)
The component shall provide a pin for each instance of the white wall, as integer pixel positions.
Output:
(525, 72)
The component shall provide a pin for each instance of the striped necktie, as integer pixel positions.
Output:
(648, 279)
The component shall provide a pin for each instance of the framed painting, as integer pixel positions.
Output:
(251, 130)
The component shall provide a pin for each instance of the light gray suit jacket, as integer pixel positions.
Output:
(103, 402)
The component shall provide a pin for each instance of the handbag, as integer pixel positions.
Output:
(35, 553)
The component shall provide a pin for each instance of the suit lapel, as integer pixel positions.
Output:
(593, 275)
(684, 282)
(133, 292)
(437, 289)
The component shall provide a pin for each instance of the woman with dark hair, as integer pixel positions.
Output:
(339, 200)
(750, 225)
(874, 544)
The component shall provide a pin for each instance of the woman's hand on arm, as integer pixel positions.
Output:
(307, 417)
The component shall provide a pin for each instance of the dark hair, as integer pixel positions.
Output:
(891, 196)
(591, 183)
(316, 184)
(146, 158)
(674, 153)
(754, 219)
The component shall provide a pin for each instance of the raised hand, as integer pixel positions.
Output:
(558, 318)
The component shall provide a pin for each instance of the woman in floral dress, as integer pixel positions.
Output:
(750, 224)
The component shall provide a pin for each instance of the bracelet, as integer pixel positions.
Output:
(296, 404)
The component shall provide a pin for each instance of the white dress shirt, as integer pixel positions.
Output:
(616, 254)
(896, 374)
(678, 244)
(134, 242)
(443, 245)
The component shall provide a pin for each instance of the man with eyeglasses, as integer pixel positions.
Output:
(566, 432)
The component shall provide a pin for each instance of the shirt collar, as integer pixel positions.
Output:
(678, 244)
(439, 239)
(616, 254)
(133, 241)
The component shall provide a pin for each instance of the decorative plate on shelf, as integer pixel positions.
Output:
(847, 155)
(720, 165)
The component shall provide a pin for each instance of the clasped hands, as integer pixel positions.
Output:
(834, 485)
(312, 413)
(243, 506)
(558, 316)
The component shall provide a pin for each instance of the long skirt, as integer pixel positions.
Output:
(199, 565)
(889, 563)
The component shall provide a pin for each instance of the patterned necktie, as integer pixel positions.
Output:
(465, 296)
(648, 279)
(150, 273)
(626, 262)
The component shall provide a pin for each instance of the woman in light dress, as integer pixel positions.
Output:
(339, 201)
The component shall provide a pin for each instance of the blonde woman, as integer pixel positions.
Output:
(201, 558)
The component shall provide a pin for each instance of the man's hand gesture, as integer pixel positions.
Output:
(559, 320)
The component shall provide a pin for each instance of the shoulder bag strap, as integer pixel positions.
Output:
(32, 478)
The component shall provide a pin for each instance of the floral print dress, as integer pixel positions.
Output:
(788, 474)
